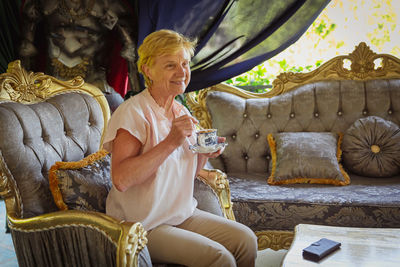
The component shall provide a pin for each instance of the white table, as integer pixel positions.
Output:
(361, 247)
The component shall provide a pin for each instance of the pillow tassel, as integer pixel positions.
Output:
(60, 165)
(272, 147)
(339, 158)
(55, 190)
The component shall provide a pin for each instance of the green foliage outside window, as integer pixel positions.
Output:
(259, 75)
(338, 29)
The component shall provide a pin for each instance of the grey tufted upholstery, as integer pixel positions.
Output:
(327, 106)
(329, 99)
(66, 127)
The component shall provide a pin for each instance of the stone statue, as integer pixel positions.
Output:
(77, 34)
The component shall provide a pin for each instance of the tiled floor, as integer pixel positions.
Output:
(7, 254)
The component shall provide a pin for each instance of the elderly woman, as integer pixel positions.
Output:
(153, 169)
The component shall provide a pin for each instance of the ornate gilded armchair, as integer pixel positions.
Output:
(43, 121)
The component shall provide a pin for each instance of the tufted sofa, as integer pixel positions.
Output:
(329, 99)
(43, 121)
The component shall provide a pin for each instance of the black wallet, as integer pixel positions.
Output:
(317, 250)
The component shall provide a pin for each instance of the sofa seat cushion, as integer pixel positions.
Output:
(366, 202)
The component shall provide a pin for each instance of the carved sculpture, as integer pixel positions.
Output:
(77, 36)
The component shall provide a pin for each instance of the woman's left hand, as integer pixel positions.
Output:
(217, 153)
(203, 157)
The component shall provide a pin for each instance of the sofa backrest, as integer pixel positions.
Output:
(43, 120)
(328, 99)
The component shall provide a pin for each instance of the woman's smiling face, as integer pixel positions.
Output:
(170, 74)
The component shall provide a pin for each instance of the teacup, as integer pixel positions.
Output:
(207, 137)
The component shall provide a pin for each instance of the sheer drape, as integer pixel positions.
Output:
(234, 36)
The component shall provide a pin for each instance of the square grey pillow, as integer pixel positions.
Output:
(82, 185)
(306, 157)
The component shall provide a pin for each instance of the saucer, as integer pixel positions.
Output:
(210, 149)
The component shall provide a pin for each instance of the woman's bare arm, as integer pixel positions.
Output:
(129, 167)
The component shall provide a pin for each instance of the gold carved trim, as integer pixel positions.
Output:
(199, 108)
(220, 185)
(5, 176)
(197, 101)
(275, 240)
(70, 218)
(30, 87)
(8, 189)
(129, 247)
(19, 85)
(362, 67)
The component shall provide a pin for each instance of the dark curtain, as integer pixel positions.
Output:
(234, 36)
(9, 32)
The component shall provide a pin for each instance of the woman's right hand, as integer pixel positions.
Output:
(182, 127)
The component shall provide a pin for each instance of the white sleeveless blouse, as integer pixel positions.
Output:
(167, 196)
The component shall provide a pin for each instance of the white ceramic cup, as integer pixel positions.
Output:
(207, 137)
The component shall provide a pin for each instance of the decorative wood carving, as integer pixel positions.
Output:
(275, 240)
(8, 189)
(362, 67)
(218, 181)
(130, 249)
(19, 85)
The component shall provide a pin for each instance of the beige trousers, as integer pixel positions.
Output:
(205, 240)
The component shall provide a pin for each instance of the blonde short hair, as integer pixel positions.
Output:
(159, 43)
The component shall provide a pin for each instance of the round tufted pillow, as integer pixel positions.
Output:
(371, 147)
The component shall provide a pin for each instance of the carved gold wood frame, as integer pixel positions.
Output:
(275, 240)
(362, 67)
(218, 181)
(18, 85)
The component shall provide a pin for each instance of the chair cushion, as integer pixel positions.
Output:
(306, 157)
(371, 147)
(82, 185)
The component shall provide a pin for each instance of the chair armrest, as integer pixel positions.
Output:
(129, 238)
(218, 181)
